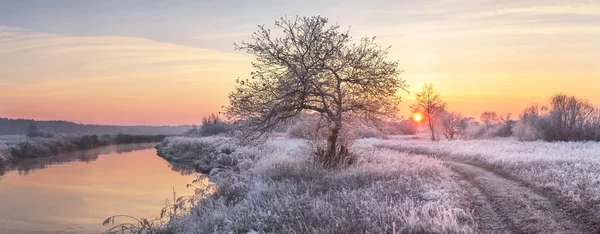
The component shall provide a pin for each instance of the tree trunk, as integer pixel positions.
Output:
(431, 128)
(331, 155)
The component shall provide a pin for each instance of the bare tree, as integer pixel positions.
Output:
(314, 68)
(452, 123)
(431, 105)
(490, 118)
(570, 119)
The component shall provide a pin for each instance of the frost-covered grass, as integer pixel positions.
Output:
(7, 142)
(569, 169)
(276, 188)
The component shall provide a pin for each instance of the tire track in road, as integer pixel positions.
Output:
(504, 205)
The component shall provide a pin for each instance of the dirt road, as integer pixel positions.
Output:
(504, 205)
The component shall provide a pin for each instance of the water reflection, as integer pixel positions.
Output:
(183, 169)
(28, 165)
(75, 192)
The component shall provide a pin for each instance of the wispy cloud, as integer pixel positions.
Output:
(37, 57)
(59, 71)
(230, 36)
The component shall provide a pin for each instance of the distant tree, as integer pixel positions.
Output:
(452, 124)
(430, 104)
(314, 68)
(490, 118)
(34, 131)
(506, 125)
(571, 119)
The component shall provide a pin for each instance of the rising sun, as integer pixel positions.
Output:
(417, 117)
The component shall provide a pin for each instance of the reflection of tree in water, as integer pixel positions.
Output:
(183, 169)
(26, 166)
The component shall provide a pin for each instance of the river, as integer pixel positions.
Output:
(75, 192)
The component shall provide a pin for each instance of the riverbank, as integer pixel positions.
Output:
(17, 147)
(258, 188)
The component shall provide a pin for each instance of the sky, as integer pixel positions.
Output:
(172, 62)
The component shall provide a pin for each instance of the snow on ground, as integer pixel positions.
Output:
(569, 168)
(276, 188)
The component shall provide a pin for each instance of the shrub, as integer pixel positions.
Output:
(526, 131)
(205, 153)
(317, 131)
(211, 125)
(493, 126)
(4, 156)
(366, 132)
(300, 130)
(404, 127)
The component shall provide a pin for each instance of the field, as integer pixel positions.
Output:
(397, 185)
(276, 188)
(567, 173)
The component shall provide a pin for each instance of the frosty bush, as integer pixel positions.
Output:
(211, 125)
(303, 128)
(526, 132)
(492, 125)
(404, 127)
(205, 153)
(316, 130)
(4, 157)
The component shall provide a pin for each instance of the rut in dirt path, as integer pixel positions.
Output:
(502, 205)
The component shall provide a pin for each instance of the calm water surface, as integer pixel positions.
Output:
(74, 193)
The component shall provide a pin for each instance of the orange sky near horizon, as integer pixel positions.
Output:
(487, 56)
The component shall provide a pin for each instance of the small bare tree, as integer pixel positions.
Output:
(431, 105)
(314, 68)
(490, 118)
(452, 124)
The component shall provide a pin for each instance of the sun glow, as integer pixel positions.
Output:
(417, 117)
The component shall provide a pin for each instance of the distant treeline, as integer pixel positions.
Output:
(19, 127)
